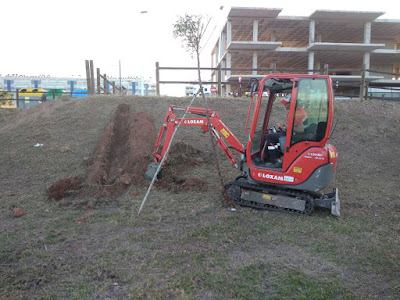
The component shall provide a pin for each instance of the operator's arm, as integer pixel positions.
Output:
(280, 126)
(299, 116)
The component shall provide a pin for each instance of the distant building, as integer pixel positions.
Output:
(134, 86)
(259, 38)
(191, 90)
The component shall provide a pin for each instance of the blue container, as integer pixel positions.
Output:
(80, 93)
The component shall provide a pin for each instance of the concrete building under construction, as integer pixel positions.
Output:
(341, 42)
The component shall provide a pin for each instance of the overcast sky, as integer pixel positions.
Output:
(56, 37)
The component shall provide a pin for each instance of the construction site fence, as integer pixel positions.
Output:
(364, 90)
(26, 99)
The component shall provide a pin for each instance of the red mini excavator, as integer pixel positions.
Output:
(306, 163)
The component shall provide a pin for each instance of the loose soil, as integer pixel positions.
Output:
(89, 243)
(120, 160)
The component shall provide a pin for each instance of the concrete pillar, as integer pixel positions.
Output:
(367, 40)
(216, 57)
(212, 66)
(228, 32)
(311, 40)
(255, 30)
(228, 63)
(310, 62)
(311, 35)
(227, 89)
(255, 62)
(217, 51)
(273, 67)
(222, 45)
(223, 72)
(228, 72)
(367, 33)
(273, 36)
(318, 65)
(366, 62)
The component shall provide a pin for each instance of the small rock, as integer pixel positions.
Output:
(134, 193)
(65, 149)
(126, 179)
(18, 212)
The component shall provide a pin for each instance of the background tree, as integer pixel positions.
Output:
(5, 95)
(191, 29)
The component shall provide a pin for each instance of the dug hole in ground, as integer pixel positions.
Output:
(121, 157)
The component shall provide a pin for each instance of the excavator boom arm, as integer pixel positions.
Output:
(219, 130)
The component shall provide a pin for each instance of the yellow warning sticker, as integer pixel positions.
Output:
(225, 133)
(266, 197)
(333, 154)
(297, 170)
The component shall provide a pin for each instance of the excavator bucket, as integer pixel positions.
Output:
(151, 171)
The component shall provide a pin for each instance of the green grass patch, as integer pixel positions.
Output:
(294, 284)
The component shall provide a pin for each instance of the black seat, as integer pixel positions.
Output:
(321, 129)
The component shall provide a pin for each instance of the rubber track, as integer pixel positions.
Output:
(244, 184)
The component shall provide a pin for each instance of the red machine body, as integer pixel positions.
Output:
(307, 164)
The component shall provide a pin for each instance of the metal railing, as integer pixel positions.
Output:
(362, 86)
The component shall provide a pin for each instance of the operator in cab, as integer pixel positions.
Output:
(272, 148)
(299, 117)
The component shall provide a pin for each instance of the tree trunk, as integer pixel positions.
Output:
(225, 196)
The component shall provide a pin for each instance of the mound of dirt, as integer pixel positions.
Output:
(193, 184)
(64, 187)
(119, 159)
(181, 157)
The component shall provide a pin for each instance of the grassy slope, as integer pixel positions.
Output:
(187, 246)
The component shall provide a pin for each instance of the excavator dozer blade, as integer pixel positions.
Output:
(151, 171)
(330, 200)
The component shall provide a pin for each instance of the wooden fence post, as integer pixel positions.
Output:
(157, 78)
(17, 97)
(92, 77)
(98, 81)
(105, 84)
(88, 81)
(362, 86)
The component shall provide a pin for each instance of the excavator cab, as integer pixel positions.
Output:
(302, 143)
(304, 118)
(306, 163)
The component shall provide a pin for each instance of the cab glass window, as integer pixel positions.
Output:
(311, 113)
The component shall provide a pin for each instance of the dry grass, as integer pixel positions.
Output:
(187, 245)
